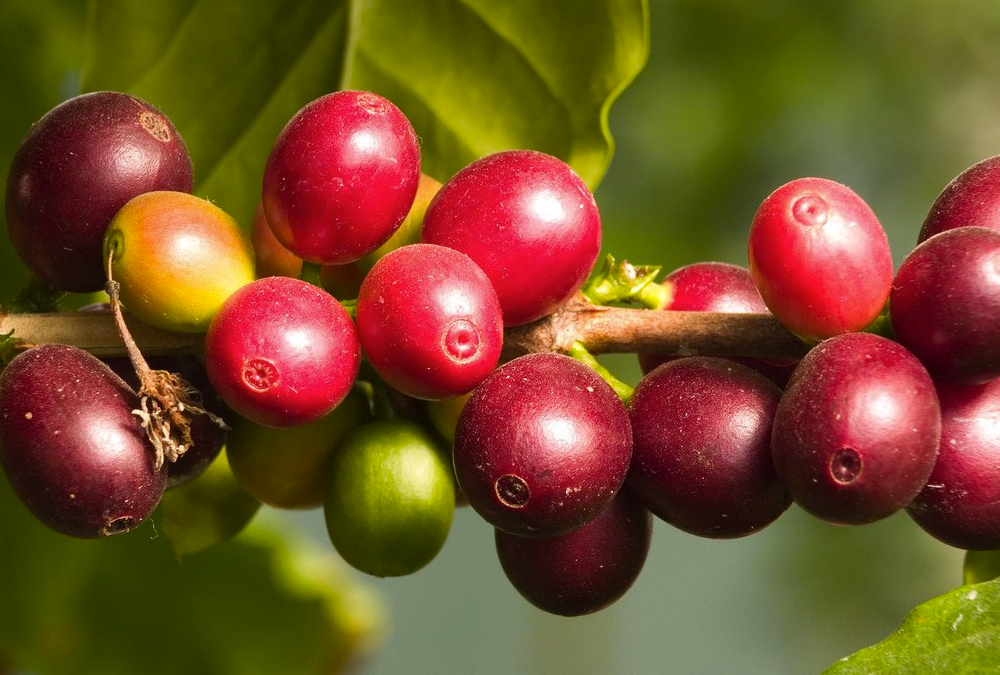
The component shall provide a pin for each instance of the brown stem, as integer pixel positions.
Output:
(600, 329)
(167, 402)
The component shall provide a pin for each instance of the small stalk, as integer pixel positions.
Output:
(580, 353)
(621, 281)
(167, 402)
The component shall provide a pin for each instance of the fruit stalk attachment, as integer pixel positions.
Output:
(167, 401)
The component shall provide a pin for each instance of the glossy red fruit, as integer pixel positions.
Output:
(820, 258)
(717, 287)
(75, 168)
(341, 177)
(857, 429)
(945, 304)
(542, 445)
(528, 220)
(429, 321)
(701, 458)
(71, 447)
(282, 352)
(585, 570)
(960, 505)
(971, 198)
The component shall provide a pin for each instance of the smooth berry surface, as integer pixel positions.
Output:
(341, 177)
(857, 429)
(542, 445)
(960, 505)
(585, 570)
(945, 304)
(282, 352)
(701, 458)
(75, 168)
(429, 321)
(71, 447)
(820, 258)
(972, 198)
(528, 220)
(177, 258)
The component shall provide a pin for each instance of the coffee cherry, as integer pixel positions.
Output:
(701, 460)
(972, 198)
(341, 177)
(960, 505)
(270, 257)
(528, 220)
(717, 287)
(820, 258)
(542, 445)
(429, 321)
(391, 498)
(288, 468)
(282, 352)
(177, 258)
(857, 429)
(585, 570)
(75, 168)
(71, 447)
(410, 229)
(945, 304)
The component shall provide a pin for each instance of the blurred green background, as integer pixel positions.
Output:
(891, 98)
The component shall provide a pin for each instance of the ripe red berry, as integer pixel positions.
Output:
(341, 177)
(282, 352)
(528, 220)
(820, 258)
(429, 321)
(971, 198)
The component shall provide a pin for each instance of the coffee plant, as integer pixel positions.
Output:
(347, 258)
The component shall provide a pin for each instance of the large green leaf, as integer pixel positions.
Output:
(955, 634)
(474, 76)
(257, 606)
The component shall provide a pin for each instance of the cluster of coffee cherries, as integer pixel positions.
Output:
(353, 346)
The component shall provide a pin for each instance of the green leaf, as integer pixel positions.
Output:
(981, 566)
(261, 604)
(957, 633)
(474, 76)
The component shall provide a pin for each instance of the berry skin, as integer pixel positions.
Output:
(585, 570)
(701, 459)
(972, 198)
(528, 220)
(71, 447)
(177, 258)
(857, 429)
(282, 352)
(542, 445)
(945, 304)
(341, 177)
(75, 168)
(960, 505)
(820, 258)
(391, 498)
(429, 321)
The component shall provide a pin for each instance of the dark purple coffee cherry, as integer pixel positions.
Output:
(75, 168)
(945, 304)
(585, 570)
(542, 445)
(71, 447)
(971, 198)
(856, 431)
(960, 505)
(701, 458)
